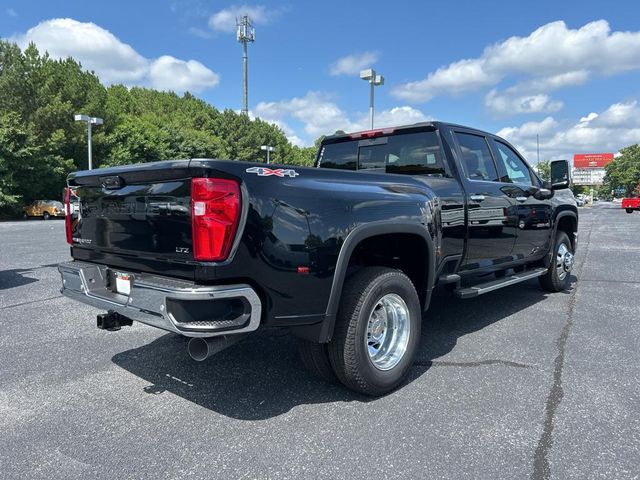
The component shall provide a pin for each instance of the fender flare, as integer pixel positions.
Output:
(559, 215)
(357, 235)
(562, 214)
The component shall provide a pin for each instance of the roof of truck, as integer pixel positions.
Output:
(387, 130)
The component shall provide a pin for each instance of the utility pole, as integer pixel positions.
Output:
(538, 146)
(245, 34)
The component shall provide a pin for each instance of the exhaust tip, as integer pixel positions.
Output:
(198, 349)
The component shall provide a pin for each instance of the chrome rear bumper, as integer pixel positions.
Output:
(175, 305)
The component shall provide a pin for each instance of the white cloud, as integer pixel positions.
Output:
(553, 82)
(618, 115)
(588, 117)
(531, 96)
(169, 73)
(509, 104)
(529, 130)
(320, 115)
(616, 127)
(395, 116)
(11, 12)
(459, 77)
(352, 64)
(315, 111)
(225, 19)
(553, 55)
(113, 60)
(98, 49)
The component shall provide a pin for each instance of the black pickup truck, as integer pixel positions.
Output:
(345, 255)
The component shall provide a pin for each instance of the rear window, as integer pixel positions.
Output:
(408, 153)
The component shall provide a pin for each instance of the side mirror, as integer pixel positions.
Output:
(560, 177)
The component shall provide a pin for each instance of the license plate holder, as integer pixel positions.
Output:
(123, 283)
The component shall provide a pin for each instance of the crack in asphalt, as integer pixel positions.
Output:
(595, 280)
(432, 363)
(541, 465)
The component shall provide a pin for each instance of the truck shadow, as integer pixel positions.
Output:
(18, 277)
(449, 318)
(262, 376)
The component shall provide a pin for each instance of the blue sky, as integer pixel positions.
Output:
(565, 70)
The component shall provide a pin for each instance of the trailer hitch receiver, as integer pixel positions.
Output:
(113, 321)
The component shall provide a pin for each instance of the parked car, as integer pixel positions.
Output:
(631, 204)
(44, 208)
(345, 255)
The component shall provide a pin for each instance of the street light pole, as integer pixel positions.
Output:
(371, 96)
(374, 80)
(90, 121)
(89, 146)
(268, 149)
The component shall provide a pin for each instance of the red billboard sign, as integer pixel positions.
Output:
(591, 160)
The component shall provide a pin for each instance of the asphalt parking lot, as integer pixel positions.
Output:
(514, 384)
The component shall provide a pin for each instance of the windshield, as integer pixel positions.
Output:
(407, 153)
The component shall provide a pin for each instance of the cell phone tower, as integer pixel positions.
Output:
(245, 34)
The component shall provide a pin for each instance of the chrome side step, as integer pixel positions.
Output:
(449, 278)
(487, 287)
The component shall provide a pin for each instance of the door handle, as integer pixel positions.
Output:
(477, 198)
(521, 199)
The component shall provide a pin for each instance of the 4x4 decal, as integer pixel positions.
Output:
(278, 172)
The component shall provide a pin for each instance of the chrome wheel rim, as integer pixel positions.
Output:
(564, 261)
(387, 334)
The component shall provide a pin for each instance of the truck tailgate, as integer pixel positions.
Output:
(141, 210)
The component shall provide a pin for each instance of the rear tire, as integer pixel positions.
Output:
(46, 216)
(629, 210)
(377, 331)
(559, 272)
(315, 357)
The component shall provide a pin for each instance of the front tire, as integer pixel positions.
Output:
(629, 210)
(46, 216)
(559, 272)
(377, 331)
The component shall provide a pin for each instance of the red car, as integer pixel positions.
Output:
(631, 204)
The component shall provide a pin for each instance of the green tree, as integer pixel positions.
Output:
(544, 169)
(15, 155)
(28, 171)
(40, 143)
(624, 171)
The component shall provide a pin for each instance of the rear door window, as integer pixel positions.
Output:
(476, 157)
(343, 156)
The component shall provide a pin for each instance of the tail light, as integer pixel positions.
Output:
(215, 212)
(67, 217)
